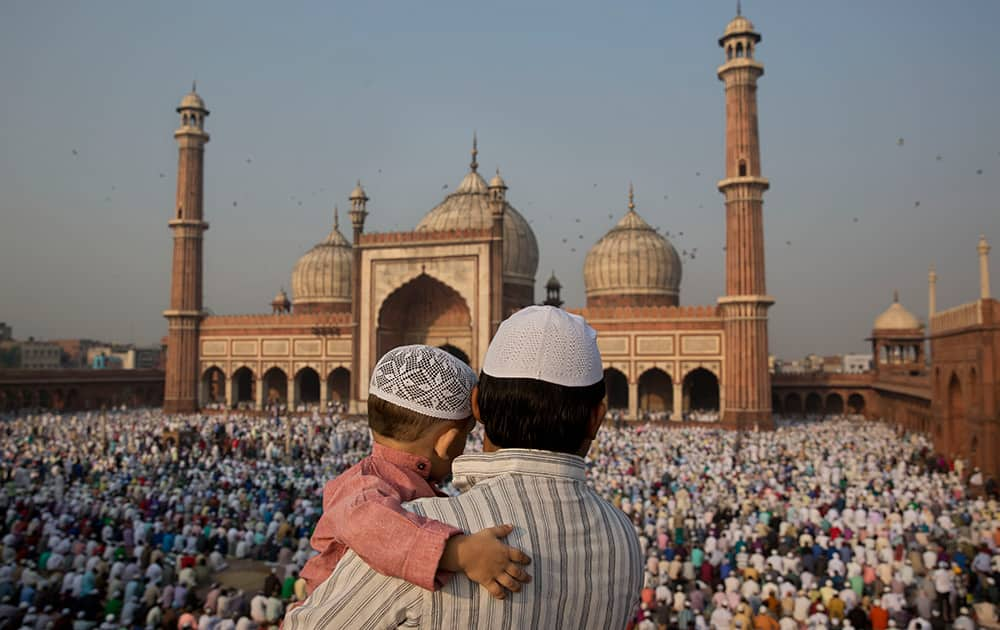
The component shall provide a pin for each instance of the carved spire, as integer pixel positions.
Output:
(475, 153)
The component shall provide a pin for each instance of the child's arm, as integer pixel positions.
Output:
(366, 514)
(487, 561)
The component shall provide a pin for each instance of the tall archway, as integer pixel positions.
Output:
(834, 404)
(338, 385)
(776, 406)
(243, 386)
(814, 403)
(424, 310)
(307, 386)
(956, 411)
(701, 390)
(793, 404)
(856, 403)
(656, 391)
(617, 387)
(275, 386)
(213, 386)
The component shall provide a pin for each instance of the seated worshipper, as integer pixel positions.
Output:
(540, 400)
(420, 417)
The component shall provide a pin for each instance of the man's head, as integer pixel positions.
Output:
(542, 383)
(418, 401)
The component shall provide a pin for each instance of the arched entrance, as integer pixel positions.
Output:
(213, 386)
(617, 387)
(701, 390)
(307, 386)
(856, 403)
(814, 404)
(424, 310)
(656, 391)
(793, 404)
(776, 404)
(834, 404)
(956, 412)
(243, 386)
(338, 385)
(275, 386)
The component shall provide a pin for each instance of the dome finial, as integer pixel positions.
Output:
(631, 197)
(194, 85)
(475, 153)
(336, 217)
(895, 296)
(739, 8)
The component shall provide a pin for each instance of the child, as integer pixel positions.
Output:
(420, 416)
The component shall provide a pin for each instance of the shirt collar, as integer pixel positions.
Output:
(473, 468)
(402, 459)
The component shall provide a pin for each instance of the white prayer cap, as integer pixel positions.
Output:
(426, 380)
(546, 344)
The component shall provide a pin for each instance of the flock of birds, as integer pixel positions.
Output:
(568, 241)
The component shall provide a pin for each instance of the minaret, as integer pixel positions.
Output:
(984, 267)
(931, 294)
(746, 381)
(185, 313)
(498, 202)
(358, 214)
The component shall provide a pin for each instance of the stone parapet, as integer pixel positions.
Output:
(392, 238)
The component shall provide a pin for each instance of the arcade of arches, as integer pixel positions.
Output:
(818, 403)
(245, 389)
(656, 390)
(79, 389)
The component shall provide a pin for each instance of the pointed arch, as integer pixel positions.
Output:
(425, 310)
(656, 391)
(275, 383)
(701, 390)
(307, 387)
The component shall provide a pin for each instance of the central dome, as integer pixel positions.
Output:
(632, 265)
(468, 208)
(321, 281)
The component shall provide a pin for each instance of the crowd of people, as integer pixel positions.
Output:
(128, 519)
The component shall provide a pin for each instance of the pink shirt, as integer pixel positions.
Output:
(362, 510)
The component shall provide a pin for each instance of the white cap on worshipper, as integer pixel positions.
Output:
(426, 380)
(546, 344)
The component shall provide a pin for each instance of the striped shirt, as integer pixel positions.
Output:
(586, 565)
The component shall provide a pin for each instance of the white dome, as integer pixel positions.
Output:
(322, 277)
(896, 317)
(468, 208)
(632, 264)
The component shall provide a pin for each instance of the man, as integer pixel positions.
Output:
(540, 400)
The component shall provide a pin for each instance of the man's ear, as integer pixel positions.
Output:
(474, 400)
(596, 419)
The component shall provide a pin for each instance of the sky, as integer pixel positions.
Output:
(572, 100)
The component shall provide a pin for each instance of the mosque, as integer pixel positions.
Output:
(470, 262)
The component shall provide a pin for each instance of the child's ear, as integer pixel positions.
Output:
(448, 437)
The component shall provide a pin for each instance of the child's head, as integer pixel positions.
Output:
(419, 398)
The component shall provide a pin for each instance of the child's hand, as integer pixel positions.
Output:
(487, 561)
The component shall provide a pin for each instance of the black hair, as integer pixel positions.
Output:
(528, 413)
